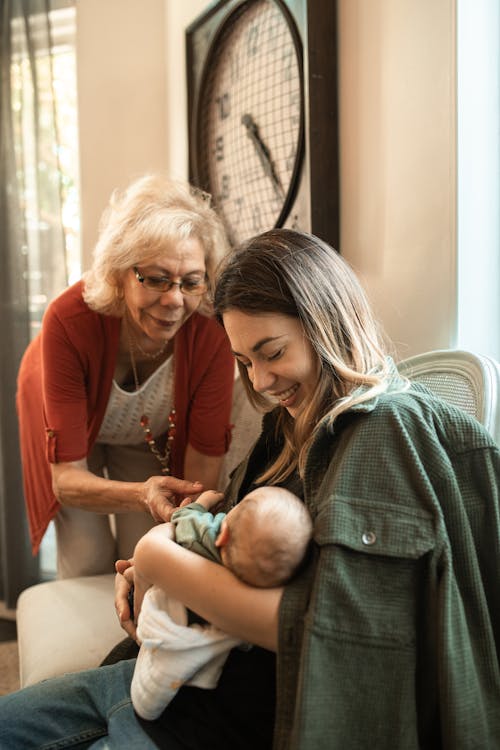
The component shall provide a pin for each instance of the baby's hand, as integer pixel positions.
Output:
(210, 498)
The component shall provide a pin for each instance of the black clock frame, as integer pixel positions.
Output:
(318, 181)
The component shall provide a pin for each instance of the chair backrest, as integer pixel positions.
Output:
(467, 380)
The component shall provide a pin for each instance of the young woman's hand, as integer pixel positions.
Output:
(132, 584)
(124, 583)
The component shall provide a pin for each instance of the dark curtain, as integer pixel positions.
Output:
(32, 249)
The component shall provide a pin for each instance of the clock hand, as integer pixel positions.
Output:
(263, 153)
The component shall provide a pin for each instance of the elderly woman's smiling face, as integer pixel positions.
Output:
(159, 315)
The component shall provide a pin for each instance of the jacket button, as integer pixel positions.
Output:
(369, 537)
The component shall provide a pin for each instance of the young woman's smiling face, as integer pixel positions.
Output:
(280, 361)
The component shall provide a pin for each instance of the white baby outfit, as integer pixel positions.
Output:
(173, 654)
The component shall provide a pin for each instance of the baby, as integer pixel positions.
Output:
(262, 540)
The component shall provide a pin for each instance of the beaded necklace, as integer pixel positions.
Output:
(163, 458)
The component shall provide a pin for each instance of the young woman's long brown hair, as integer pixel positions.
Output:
(296, 274)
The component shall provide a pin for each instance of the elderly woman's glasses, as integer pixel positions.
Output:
(191, 286)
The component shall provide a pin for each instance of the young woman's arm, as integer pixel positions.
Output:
(207, 588)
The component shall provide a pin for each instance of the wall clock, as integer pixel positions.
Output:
(262, 112)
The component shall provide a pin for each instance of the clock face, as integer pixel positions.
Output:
(249, 118)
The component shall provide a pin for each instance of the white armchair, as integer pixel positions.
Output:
(467, 380)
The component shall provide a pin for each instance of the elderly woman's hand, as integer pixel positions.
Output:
(162, 495)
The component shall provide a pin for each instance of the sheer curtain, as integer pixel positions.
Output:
(32, 243)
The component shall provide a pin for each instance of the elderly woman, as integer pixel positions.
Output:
(128, 387)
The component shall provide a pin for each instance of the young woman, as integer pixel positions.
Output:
(389, 635)
(128, 387)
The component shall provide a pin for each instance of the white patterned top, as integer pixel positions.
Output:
(121, 423)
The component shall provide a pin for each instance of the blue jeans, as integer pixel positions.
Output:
(90, 709)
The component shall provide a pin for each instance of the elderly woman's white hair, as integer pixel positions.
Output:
(137, 227)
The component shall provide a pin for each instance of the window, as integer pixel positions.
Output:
(44, 112)
(44, 104)
(478, 170)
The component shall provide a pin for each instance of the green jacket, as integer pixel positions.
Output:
(389, 638)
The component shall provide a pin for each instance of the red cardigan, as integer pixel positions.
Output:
(64, 383)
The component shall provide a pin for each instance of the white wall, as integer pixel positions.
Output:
(397, 131)
(178, 16)
(397, 135)
(122, 99)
